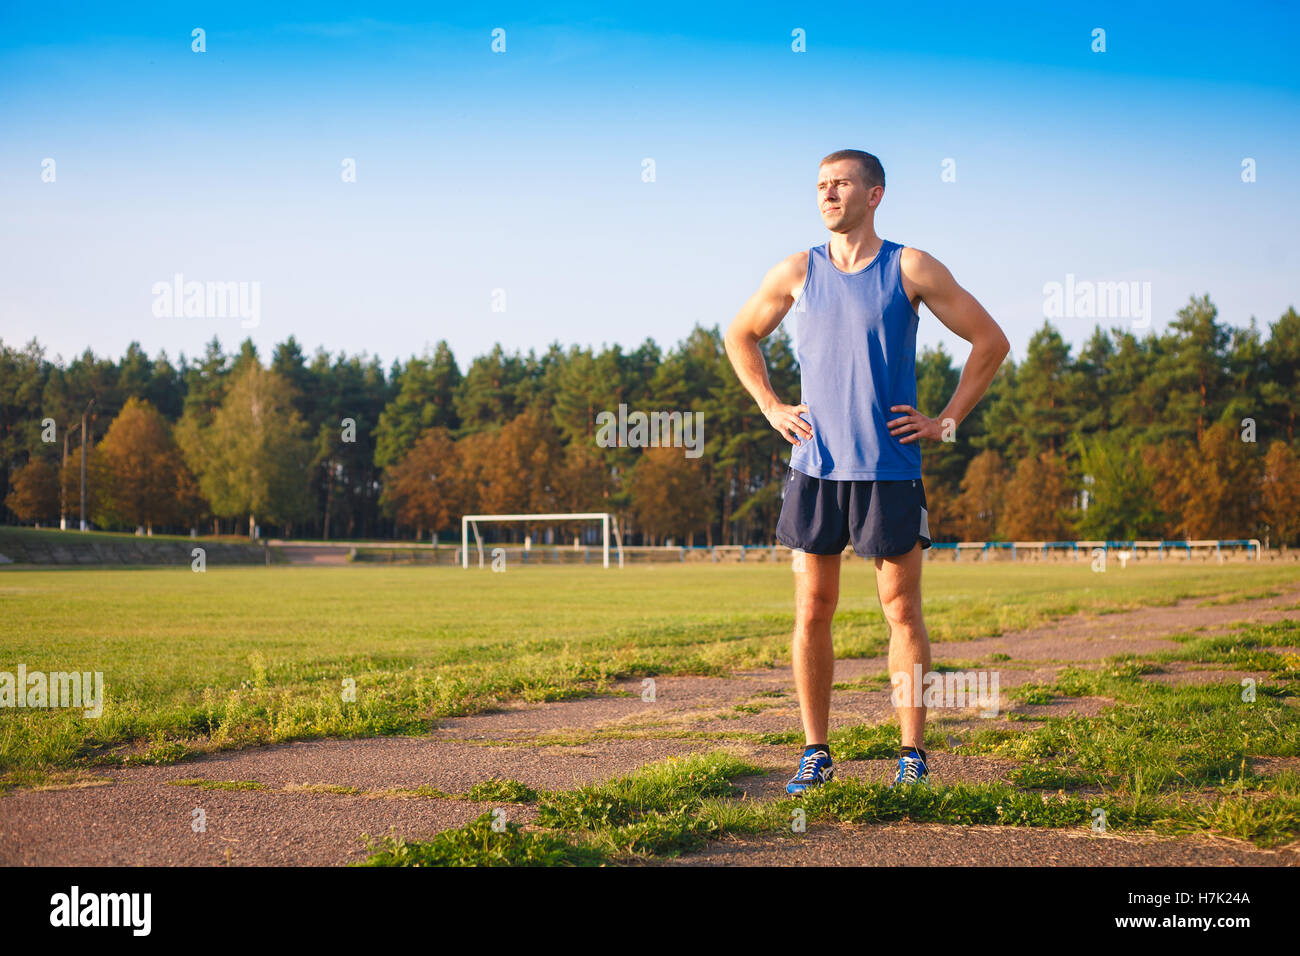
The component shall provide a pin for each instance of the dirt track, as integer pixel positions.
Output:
(141, 817)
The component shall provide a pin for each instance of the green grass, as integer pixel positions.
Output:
(659, 811)
(1165, 759)
(244, 656)
(875, 742)
(1158, 738)
(482, 844)
(1031, 694)
(1239, 597)
(1266, 823)
(54, 536)
(656, 788)
(677, 805)
(239, 656)
(1246, 649)
(501, 791)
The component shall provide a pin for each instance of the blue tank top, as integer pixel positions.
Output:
(855, 340)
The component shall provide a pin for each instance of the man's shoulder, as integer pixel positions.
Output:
(909, 257)
(791, 271)
(916, 264)
(796, 262)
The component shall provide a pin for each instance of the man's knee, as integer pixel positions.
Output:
(902, 611)
(815, 606)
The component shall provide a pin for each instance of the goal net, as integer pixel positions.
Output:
(471, 522)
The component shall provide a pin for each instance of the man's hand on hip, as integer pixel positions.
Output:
(914, 425)
(785, 419)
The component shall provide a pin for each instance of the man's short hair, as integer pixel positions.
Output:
(873, 174)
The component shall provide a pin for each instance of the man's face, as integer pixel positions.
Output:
(844, 200)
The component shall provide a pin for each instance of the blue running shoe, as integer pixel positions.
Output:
(912, 769)
(814, 769)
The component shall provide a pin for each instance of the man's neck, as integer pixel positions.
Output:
(850, 251)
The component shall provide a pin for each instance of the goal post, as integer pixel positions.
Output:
(471, 522)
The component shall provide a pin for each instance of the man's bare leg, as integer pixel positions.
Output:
(898, 584)
(816, 593)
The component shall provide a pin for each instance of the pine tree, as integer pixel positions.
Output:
(489, 396)
(426, 398)
(1192, 371)
(1280, 381)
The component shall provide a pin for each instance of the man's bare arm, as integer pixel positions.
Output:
(959, 311)
(758, 319)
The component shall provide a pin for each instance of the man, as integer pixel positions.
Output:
(855, 469)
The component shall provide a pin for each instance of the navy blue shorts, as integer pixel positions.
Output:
(883, 519)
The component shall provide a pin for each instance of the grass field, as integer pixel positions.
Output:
(235, 656)
(201, 662)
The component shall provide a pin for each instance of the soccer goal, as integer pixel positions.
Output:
(471, 522)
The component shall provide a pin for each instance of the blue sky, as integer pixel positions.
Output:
(522, 170)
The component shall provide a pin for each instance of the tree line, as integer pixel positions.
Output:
(1187, 433)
